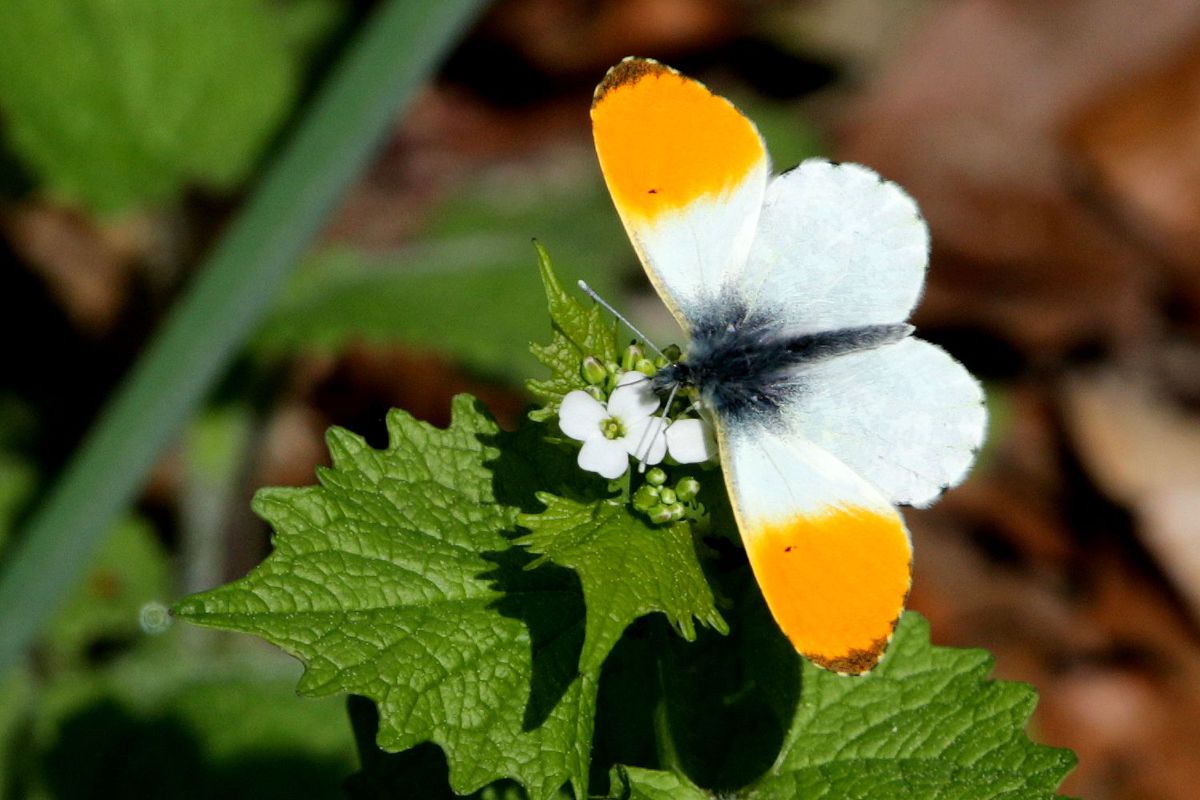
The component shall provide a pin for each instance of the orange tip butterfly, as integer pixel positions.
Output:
(794, 291)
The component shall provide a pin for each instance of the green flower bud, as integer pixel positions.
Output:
(667, 496)
(613, 369)
(632, 355)
(596, 392)
(656, 477)
(687, 489)
(672, 352)
(645, 498)
(593, 371)
(646, 367)
(676, 511)
(659, 514)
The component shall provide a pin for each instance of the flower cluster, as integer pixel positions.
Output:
(662, 503)
(626, 421)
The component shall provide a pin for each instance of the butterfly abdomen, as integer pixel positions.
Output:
(743, 370)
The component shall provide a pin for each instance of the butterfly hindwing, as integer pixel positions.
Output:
(830, 553)
(905, 416)
(687, 172)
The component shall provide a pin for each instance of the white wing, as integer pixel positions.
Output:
(905, 416)
(836, 247)
(687, 173)
(830, 553)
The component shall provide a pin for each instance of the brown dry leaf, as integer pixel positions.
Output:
(569, 37)
(969, 119)
(1140, 147)
(1115, 660)
(1131, 708)
(1145, 453)
(88, 267)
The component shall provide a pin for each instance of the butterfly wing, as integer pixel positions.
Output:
(821, 248)
(836, 247)
(687, 173)
(905, 416)
(830, 553)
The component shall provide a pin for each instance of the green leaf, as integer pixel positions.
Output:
(389, 58)
(396, 579)
(628, 568)
(578, 330)
(419, 773)
(927, 724)
(633, 783)
(730, 699)
(115, 103)
(158, 724)
(465, 289)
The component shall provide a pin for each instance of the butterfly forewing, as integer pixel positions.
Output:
(837, 247)
(687, 172)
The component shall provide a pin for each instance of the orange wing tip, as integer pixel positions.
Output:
(835, 582)
(665, 141)
(631, 70)
(856, 662)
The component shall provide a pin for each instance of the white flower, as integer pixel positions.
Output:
(691, 441)
(612, 433)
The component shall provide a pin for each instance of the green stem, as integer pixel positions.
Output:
(664, 740)
(381, 72)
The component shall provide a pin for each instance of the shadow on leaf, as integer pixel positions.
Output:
(419, 773)
(731, 698)
(548, 600)
(529, 462)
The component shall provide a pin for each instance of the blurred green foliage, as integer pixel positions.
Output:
(468, 288)
(119, 103)
(158, 724)
(130, 571)
(107, 710)
(114, 105)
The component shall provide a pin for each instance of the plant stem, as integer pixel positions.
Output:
(383, 68)
(664, 740)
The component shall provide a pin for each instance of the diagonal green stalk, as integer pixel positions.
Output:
(382, 70)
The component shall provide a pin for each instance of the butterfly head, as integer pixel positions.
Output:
(673, 377)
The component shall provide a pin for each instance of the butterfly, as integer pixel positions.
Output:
(794, 291)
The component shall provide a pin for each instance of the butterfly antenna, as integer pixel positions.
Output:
(660, 423)
(590, 292)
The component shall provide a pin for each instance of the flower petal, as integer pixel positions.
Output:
(604, 456)
(691, 441)
(633, 398)
(637, 439)
(579, 416)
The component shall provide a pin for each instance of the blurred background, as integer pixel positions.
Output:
(1055, 151)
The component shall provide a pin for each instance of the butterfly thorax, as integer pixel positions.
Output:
(742, 369)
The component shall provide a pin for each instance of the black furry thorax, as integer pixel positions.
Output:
(743, 367)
